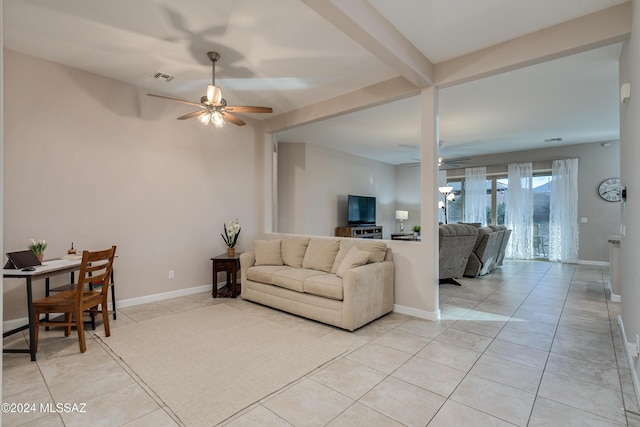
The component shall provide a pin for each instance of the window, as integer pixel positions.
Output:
(497, 188)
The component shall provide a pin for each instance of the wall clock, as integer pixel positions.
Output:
(609, 189)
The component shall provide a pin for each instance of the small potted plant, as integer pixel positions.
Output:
(38, 247)
(230, 236)
(416, 230)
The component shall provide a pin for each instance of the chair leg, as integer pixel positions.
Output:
(67, 327)
(105, 319)
(92, 314)
(36, 321)
(113, 298)
(80, 327)
(46, 294)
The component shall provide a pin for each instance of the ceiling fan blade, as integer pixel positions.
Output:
(190, 115)
(248, 109)
(177, 100)
(233, 119)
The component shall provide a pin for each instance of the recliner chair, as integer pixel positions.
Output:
(455, 244)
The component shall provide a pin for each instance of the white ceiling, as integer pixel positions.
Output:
(284, 54)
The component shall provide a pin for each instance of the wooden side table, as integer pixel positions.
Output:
(230, 265)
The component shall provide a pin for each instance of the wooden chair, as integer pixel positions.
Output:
(95, 268)
(92, 286)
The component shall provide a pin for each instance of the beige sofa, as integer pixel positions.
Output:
(342, 282)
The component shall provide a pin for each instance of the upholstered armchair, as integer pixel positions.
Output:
(484, 256)
(456, 242)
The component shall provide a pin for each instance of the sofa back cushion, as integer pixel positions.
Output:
(355, 258)
(268, 252)
(293, 250)
(376, 250)
(321, 254)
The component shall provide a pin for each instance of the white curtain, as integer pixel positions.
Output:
(563, 211)
(475, 195)
(442, 182)
(519, 211)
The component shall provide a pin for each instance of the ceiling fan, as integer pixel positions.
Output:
(213, 107)
(455, 163)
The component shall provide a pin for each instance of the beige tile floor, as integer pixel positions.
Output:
(533, 343)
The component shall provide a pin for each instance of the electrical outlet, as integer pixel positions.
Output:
(172, 274)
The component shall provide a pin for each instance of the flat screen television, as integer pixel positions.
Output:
(362, 210)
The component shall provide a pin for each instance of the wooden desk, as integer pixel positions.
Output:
(48, 269)
(230, 265)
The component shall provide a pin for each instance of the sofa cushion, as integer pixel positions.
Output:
(376, 250)
(326, 285)
(355, 258)
(267, 252)
(321, 254)
(293, 250)
(264, 273)
(293, 278)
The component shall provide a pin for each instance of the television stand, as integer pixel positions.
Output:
(360, 232)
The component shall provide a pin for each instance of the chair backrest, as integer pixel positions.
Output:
(456, 242)
(95, 269)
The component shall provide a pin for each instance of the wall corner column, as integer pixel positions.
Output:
(429, 136)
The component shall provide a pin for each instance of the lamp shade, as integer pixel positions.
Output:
(445, 190)
(402, 214)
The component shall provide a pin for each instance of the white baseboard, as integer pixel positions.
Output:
(165, 295)
(632, 366)
(588, 262)
(422, 314)
(16, 323)
(613, 297)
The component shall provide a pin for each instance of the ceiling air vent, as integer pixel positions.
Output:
(163, 76)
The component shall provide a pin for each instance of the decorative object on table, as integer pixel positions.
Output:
(416, 230)
(230, 236)
(402, 215)
(71, 251)
(38, 247)
(449, 195)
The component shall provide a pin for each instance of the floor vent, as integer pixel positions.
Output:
(163, 76)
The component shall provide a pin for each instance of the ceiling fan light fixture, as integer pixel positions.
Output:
(217, 119)
(204, 117)
(213, 107)
(214, 94)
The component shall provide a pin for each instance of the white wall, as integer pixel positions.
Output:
(630, 175)
(408, 196)
(95, 161)
(314, 183)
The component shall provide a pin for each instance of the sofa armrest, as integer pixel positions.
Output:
(247, 259)
(368, 293)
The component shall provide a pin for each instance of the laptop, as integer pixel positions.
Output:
(21, 259)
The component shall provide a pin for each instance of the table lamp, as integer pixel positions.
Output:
(402, 215)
